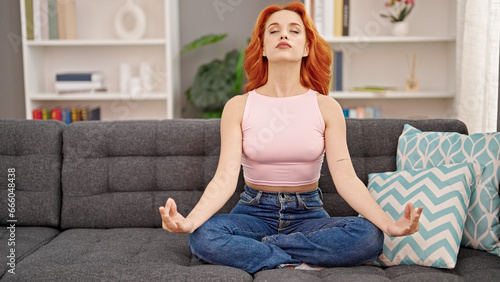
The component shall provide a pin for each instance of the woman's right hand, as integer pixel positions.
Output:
(173, 221)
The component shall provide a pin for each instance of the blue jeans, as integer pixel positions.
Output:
(273, 230)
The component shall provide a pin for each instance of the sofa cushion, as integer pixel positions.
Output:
(444, 193)
(23, 241)
(419, 149)
(122, 254)
(31, 150)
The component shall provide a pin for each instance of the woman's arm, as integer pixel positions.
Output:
(349, 186)
(223, 184)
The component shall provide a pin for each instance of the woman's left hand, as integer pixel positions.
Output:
(407, 224)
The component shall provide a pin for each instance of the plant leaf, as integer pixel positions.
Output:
(202, 41)
(239, 72)
(214, 83)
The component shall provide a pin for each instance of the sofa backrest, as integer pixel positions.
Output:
(30, 167)
(117, 174)
(373, 145)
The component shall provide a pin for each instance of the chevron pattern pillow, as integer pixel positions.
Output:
(417, 149)
(444, 193)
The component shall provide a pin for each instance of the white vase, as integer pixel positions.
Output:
(400, 28)
(130, 21)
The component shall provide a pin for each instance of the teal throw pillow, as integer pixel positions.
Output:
(417, 149)
(444, 193)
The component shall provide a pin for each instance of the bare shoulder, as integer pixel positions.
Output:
(329, 107)
(235, 107)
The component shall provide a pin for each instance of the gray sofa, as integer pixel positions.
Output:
(86, 201)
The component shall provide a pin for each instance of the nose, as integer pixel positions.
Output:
(284, 37)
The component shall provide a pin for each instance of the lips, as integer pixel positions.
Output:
(283, 45)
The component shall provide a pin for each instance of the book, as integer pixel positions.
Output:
(328, 12)
(338, 17)
(332, 75)
(84, 114)
(75, 86)
(52, 15)
(37, 20)
(95, 114)
(369, 112)
(66, 19)
(66, 115)
(88, 76)
(338, 70)
(30, 35)
(353, 113)
(56, 114)
(45, 113)
(37, 113)
(346, 13)
(76, 114)
(318, 10)
(360, 112)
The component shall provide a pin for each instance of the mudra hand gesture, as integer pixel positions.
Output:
(408, 224)
(172, 220)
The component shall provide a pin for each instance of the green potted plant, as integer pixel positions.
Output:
(217, 81)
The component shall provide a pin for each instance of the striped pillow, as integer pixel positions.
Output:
(444, 193)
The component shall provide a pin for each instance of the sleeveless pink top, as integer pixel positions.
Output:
(283, 139)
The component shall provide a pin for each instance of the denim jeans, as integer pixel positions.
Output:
(273, 230)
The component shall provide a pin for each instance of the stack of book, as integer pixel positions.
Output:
(79, 82)
(50, 19)
(67, 114)
(362, 112)
(331, 17)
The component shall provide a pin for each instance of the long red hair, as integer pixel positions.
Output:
(315, 72)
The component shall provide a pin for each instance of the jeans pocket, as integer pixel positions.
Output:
(312, 203)
(248, 199)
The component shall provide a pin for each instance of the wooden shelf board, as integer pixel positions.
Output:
(84, 42)
(105, 96)
(391, 95)
(389, 39)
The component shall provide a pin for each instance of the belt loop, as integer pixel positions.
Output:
(257, 198)
(299, 200)
(320, 193)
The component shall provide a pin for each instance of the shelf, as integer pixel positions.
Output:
(97, 48)
(389, 39)
(109, 42)
(392, 95)
(106, 96)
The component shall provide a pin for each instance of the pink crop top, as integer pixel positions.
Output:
(283, 139)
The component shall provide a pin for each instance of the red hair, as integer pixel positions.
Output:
(315, 70)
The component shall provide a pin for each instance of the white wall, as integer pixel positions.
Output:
(11, 62)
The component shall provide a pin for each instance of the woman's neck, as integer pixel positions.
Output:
(283, 80)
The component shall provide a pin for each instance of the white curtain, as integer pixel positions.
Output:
(478, 41)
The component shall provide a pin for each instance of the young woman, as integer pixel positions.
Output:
(279, 132)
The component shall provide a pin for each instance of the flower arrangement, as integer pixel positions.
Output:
(398, 9)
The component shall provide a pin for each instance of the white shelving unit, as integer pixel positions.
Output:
(373, 57)
(99, 49)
